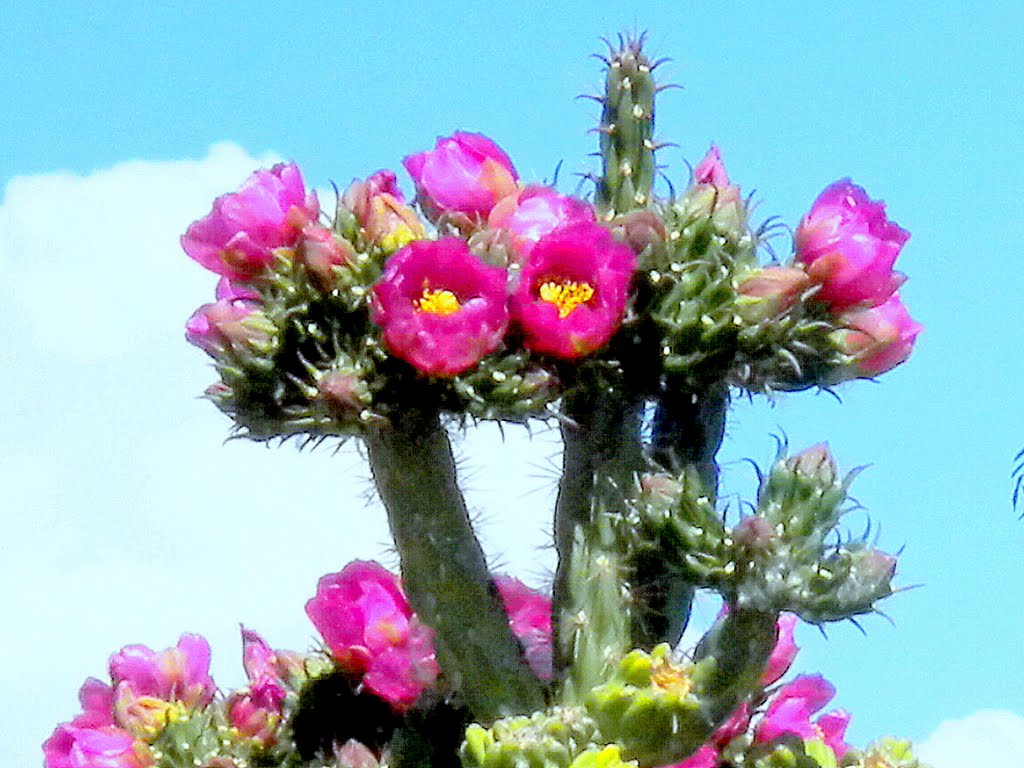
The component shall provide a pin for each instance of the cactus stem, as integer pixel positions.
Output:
(444, 570)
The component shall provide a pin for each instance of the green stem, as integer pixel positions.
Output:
(601, 455)
(687, 431)
(443, 568)
(734, 653)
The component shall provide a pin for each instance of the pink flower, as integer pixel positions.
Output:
(250, 719)
(573, 290)
(529, 615)
(534, 212)
(464, 174)
(261, 664)
(379, 207)
(71, 746)
(790, 711)
(97, 699)
(879, 338)
(230, 323)
(370, 629)
(441, 308)
(784, 652)
(179, 674)
(705, 757)
(237, 238)
(849, 246)
(711, 170)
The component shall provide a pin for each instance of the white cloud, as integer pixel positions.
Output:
(126, 517)
(987, 737)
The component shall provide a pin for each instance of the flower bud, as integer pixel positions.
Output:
(379, 208)
(754, 534)
(640, 230)
(815, 463)
(250, 720)
(877, 339)
(322, 250)
(344, 393)
(769, 292)
(354, 754)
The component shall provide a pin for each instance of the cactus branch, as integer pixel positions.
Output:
(444, 570)
(687, 431)
(602, 452)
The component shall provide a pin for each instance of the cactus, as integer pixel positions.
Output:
(554, 738)
(627, 131)
(414, 471)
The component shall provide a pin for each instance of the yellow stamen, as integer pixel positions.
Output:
(438, 302)
(566, 295)
(671, 678)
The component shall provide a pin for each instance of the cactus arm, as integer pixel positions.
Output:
(687, 430)
(443, 567)
(602, 453)
(731, 658)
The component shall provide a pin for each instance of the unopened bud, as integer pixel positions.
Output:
(640, 230)
(345, 393)
(322, 251)
(769, 292)
(754, 534)
(816, 463)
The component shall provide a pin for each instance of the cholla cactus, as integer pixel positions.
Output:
(630, 317)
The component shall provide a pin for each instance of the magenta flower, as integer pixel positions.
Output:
(369, 628)
(573, 290)
(792, 707)
(230, 323)
(529, 615)
(534, 212)
(711, 170)
(263, 669)
(464, 174)
(379, 207)
(878, 338)
(705, 757)
(72, 746)
(849, 246)
(440, 307)
(237, 238)
(784, 652)
(179, 674)
(97, 699)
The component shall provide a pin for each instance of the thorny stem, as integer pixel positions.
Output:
(444, 571)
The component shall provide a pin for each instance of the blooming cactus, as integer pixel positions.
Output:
(370, 629)
(466, 174)
(849, 246)
(573, 291)
(238, 237)
(536, 211)
(792, 707)
(879, 338)
(441, 308)
(529, 614)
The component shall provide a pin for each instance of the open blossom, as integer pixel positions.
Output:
(529, 615)
(440, 307)
(879, 338)
(849, 246)
(238, 237)
(466, 173)
(72, 746)
(370, 629)
(536, 211)
(180, 673)
(379, 207)
(792, 707)
(573, 290)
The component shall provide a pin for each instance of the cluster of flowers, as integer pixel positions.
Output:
(846, 248)
(370, 633)
(560, 283)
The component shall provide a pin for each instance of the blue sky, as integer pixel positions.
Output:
(127, 520)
